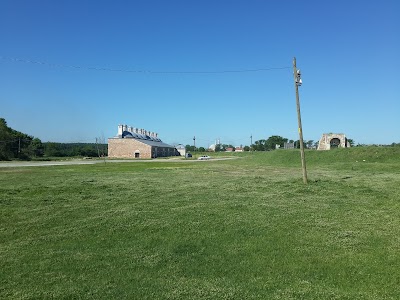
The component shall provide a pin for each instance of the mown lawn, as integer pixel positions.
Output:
(238, 229)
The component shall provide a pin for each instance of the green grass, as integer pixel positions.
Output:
(237, 229)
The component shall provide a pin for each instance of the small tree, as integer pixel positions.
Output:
(309, 144)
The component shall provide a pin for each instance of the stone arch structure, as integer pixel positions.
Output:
(333, 140)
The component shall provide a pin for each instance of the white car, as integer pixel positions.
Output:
(204, 157)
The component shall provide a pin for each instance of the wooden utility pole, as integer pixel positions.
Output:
(297, 83)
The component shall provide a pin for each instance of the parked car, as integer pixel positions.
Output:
(204, 157)
(188, 155)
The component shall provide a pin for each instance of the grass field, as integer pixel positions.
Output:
(246, 228)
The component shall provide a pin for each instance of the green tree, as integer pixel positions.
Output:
(259, 145)
(5, 139)
(189, 148)
(89, 151)
(226, 146)
(309, 144)
(274, 140)
(35, 148)
(52, 150)
(297, 144)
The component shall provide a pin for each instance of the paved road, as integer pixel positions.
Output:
(13, 164)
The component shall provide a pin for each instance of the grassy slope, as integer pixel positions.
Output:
(238, 229)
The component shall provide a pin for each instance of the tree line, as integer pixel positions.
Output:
(271, 143)
(218, 148)
(51, 149)
(15, 144)
(18, 145)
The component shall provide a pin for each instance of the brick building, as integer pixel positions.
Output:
(138, 143)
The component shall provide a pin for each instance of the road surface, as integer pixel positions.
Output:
(13, 164)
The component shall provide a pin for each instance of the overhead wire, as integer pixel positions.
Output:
(36, 62)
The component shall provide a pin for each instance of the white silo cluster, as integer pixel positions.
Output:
(134, 130)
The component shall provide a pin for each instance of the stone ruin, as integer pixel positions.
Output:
(333, 140)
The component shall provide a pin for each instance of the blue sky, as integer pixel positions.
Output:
(92, 54)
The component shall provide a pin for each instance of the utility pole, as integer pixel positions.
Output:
(251, 142)
(194, 143)
(297, 83)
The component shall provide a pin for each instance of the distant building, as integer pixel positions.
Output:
(229, 149)
(287, 145)
(333, 140)
(212, 147)
(181, 149)
(239, 149)
(138, 143)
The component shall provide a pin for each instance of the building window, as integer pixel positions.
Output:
(137, 154)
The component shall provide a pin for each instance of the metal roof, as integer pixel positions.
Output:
(151, 141)
(156, 144)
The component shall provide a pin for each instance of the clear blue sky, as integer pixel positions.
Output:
(348, 52)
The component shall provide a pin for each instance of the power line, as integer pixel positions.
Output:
(35, 62)
(14, 141)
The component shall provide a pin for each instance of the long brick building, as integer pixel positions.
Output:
(138, 143)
